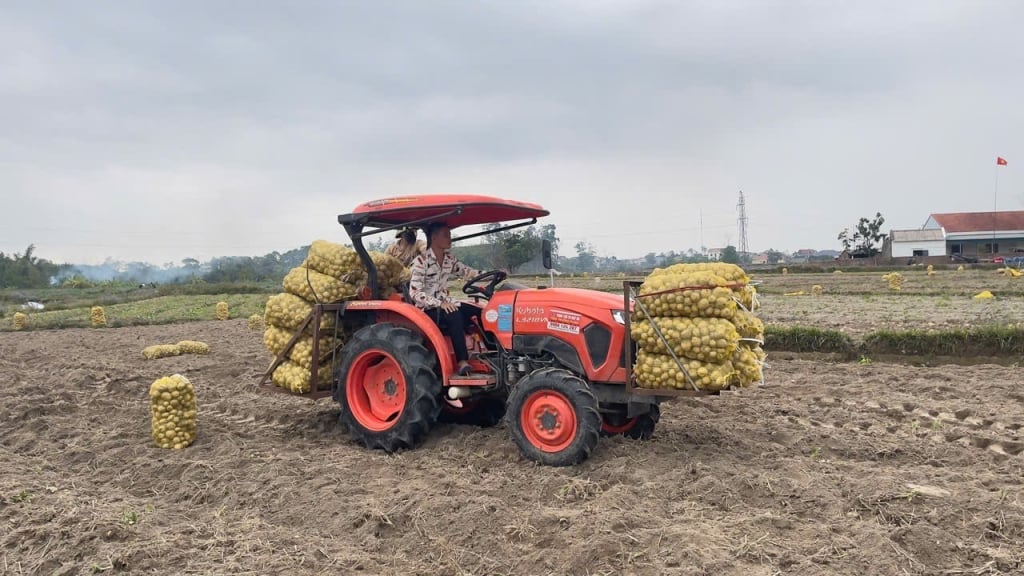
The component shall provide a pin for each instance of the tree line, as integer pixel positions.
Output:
(517, 250)
(25, 270)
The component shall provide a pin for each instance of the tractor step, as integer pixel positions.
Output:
(473, 380)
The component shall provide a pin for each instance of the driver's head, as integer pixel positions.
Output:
(440, 235)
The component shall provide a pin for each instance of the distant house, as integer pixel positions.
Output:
(803, 255)
(980, 234)
(715, 253)
(761, 258)
(913, 243)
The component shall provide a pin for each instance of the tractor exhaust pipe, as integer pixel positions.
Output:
(456, 392)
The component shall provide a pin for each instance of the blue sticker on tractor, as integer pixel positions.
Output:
(504, 318)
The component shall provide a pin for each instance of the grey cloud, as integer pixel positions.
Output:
(135, 105)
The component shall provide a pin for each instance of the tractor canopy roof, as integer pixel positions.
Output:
(453, 209)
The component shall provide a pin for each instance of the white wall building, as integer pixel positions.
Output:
(910, 243)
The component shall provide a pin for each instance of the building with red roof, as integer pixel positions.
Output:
(981, 235)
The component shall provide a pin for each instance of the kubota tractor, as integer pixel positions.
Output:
(553, 362)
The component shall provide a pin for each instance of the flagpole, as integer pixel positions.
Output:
(995, 204)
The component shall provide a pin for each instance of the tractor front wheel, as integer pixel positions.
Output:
(387, 387)
(553, 417)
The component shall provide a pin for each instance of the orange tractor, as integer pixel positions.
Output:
(554, 363)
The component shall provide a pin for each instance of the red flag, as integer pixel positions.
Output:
(1000, 161)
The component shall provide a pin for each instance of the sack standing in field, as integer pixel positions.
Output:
(705, 312)
(19, 321)
(222, 311)
(173, 409)
(895, 281)
(98, 317)
(330, 273)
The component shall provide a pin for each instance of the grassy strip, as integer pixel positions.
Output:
(110, 294)
(805, 339)
(160, 310)
(986, 341)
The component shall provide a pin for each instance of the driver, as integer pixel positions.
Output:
(428, 288)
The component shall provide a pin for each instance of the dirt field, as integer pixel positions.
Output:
(860, 315)
(827, 469)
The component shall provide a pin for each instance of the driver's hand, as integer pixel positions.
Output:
(449, 307)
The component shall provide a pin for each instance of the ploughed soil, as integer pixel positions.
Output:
(861, 315)
(826, 469)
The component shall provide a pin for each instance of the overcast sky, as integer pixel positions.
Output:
(157, 131)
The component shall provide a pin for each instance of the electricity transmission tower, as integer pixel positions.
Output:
(741, 208)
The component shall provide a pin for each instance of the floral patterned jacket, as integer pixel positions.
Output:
(429, 284)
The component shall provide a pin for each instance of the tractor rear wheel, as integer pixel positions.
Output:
(553, 418)
(387, 387)
(640, 427)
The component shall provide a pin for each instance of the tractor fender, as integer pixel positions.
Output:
(403, 314)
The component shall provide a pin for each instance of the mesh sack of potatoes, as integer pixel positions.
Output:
(276, 339)
(706, 302)
(222, 311)
(193, 347)
(255, 322)
(747, 362)
(97, 317)
(324, 288)
(173, 408)
(288, 311)
(390, 270)
(748, 325)
(661, 371)
(707, 339)
(19, 321)
(747, 295)
(160, 351)
(295, 378)
(336, 261)
(691, 290)
(302, 352)
(706, 273)
(894, 279)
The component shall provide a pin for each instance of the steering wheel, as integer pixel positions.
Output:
(495, 277)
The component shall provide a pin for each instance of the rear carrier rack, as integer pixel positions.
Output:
(631, 297)
(314, 317)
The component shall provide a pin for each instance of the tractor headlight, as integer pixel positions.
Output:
(619, 316)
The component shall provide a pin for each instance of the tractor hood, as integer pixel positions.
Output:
(584, 329)
(566, 309)
(572, 298)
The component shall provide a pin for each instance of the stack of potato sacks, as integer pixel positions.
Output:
(330, 273)
(706, 313)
